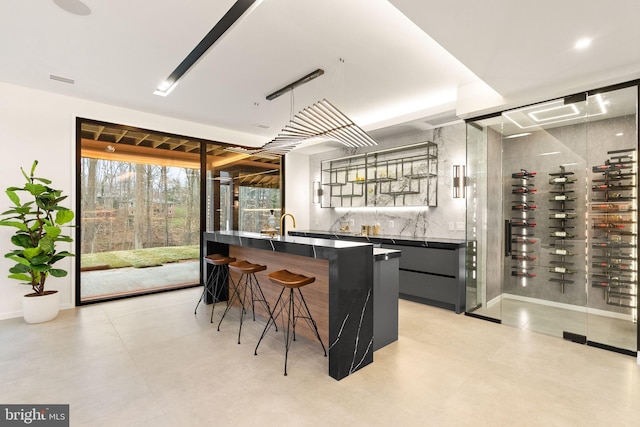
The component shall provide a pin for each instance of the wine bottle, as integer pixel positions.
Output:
(523, 190)
(524, 257)
(523, 274)
(562, 252)
(562, 215)
(601, 187)
(561, 180)
(562, 234)
(523, 174)
(523, 240)
(523, 207)
(562, 270)
(523, 223)
(607, 167)
(608, 225)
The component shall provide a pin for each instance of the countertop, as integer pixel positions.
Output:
(240, 238)
(389, 239)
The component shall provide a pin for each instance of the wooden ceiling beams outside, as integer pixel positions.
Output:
(163, 150)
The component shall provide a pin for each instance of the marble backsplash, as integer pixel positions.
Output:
(446, 220)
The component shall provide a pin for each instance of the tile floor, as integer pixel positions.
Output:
(149, 361)
(554, 321)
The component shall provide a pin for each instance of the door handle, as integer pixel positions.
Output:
(507, 238)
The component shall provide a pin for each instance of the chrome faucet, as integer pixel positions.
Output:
(282, 222)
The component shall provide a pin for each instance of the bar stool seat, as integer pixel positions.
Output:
(290, 280)
(299, 310)
(248, 283)
(216, 280)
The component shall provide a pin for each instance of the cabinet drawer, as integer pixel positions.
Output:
(428, 260)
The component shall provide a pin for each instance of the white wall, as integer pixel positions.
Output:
(298, 188)
(36, 125)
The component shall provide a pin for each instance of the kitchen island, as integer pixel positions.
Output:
(341, 299)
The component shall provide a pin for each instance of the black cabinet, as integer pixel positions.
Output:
(433, 276)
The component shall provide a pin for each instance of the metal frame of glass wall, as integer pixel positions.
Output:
(552, 217)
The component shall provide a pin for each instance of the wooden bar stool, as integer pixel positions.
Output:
(216, 280)
(248, 283)
(295, 310)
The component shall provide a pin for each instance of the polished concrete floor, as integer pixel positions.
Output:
(555, 321)
(149, 361)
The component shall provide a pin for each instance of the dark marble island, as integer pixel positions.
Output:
(344, 280)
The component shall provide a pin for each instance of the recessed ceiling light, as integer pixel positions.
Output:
(619, 134)
(583, 43)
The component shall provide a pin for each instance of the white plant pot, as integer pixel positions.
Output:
(39, 309)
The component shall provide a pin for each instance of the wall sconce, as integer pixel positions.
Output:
(459, 182)
(317, 192)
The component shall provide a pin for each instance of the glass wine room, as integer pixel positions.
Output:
(552, 217)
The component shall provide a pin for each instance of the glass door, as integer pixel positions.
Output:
(552, 217)
(612, 216)
(543, 186)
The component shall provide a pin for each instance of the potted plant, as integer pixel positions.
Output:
(38, 222)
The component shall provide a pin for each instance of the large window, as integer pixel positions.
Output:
(141, 206)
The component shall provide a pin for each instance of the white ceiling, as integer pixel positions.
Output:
(401, 69)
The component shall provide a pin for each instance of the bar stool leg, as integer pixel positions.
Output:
(271, 321)
(253, 280)
(224, 272)
(312, 323)
(290, 330)
(204, 292)
(235, 294)
(211, 287)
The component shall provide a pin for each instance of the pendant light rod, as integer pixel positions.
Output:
(291, 86)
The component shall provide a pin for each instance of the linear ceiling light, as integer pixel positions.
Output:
(291, 86)
(233, 14)
(556, 111)
(320, 120)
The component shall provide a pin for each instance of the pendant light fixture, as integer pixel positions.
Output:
(320, 120)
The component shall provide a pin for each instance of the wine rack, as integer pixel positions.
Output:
(522, 224)
(403, 176)
(613, 223)
(561, 225)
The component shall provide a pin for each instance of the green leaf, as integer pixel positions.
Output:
(22, 240)
(57, 272)
(47, 244)
(19, 268)
(33, 167)
(29, 253)
(43, 180)
(13, 197)
(40, 259)
(35, 189)
(64, 216)
(18, 259)
(20, 277)
(16, 224)
(41, 267)
(52, 231)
